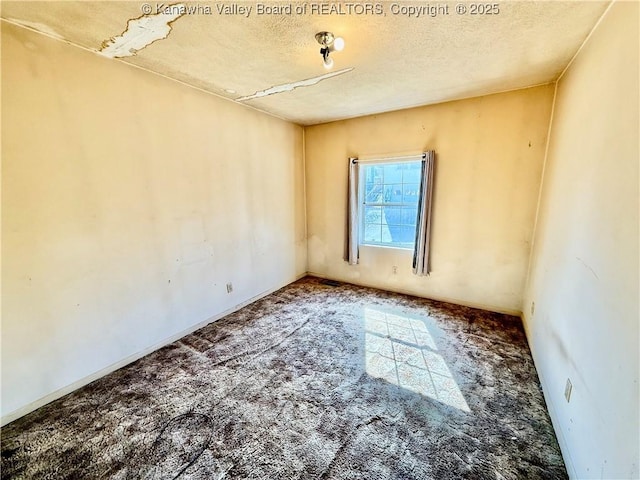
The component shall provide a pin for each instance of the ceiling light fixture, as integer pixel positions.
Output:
(329, 44)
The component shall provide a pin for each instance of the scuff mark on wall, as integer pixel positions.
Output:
(143, 31)
(588, 267)
(287, 87)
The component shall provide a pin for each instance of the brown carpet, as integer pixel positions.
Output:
(312, 382)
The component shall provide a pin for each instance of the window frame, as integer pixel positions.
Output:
(417, 159)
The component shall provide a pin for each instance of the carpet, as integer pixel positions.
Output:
(314, 381)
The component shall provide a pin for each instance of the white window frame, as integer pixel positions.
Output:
(364, 204)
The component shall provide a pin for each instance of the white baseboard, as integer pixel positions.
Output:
(20, 412)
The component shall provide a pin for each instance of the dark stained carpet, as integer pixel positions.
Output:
(311, 382)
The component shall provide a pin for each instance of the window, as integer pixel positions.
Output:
(389, 198)
(389, 203)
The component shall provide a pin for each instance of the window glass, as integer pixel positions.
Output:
(390, 199)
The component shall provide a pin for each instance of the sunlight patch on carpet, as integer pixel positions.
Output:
(401, 351)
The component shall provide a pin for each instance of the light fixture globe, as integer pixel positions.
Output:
(329, 44)
(325, 38)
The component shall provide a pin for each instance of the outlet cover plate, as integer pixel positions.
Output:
(567, 390)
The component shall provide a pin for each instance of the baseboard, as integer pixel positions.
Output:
(22, 411)
(489, 308)
(564, 446)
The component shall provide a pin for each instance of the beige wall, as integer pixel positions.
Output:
(584, 274)
(489, 160)
(128, 202)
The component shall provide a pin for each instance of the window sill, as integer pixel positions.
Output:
(387, 247)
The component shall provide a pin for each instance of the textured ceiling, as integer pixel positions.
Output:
(391, 60)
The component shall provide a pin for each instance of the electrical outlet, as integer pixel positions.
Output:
(229, 287)
(567, 390)
(394, 269)
(533, 307)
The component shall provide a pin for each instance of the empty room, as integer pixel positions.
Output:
(320, 240)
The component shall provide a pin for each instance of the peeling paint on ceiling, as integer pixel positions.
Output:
(288, 87)
(143, 31)
(395, 58)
